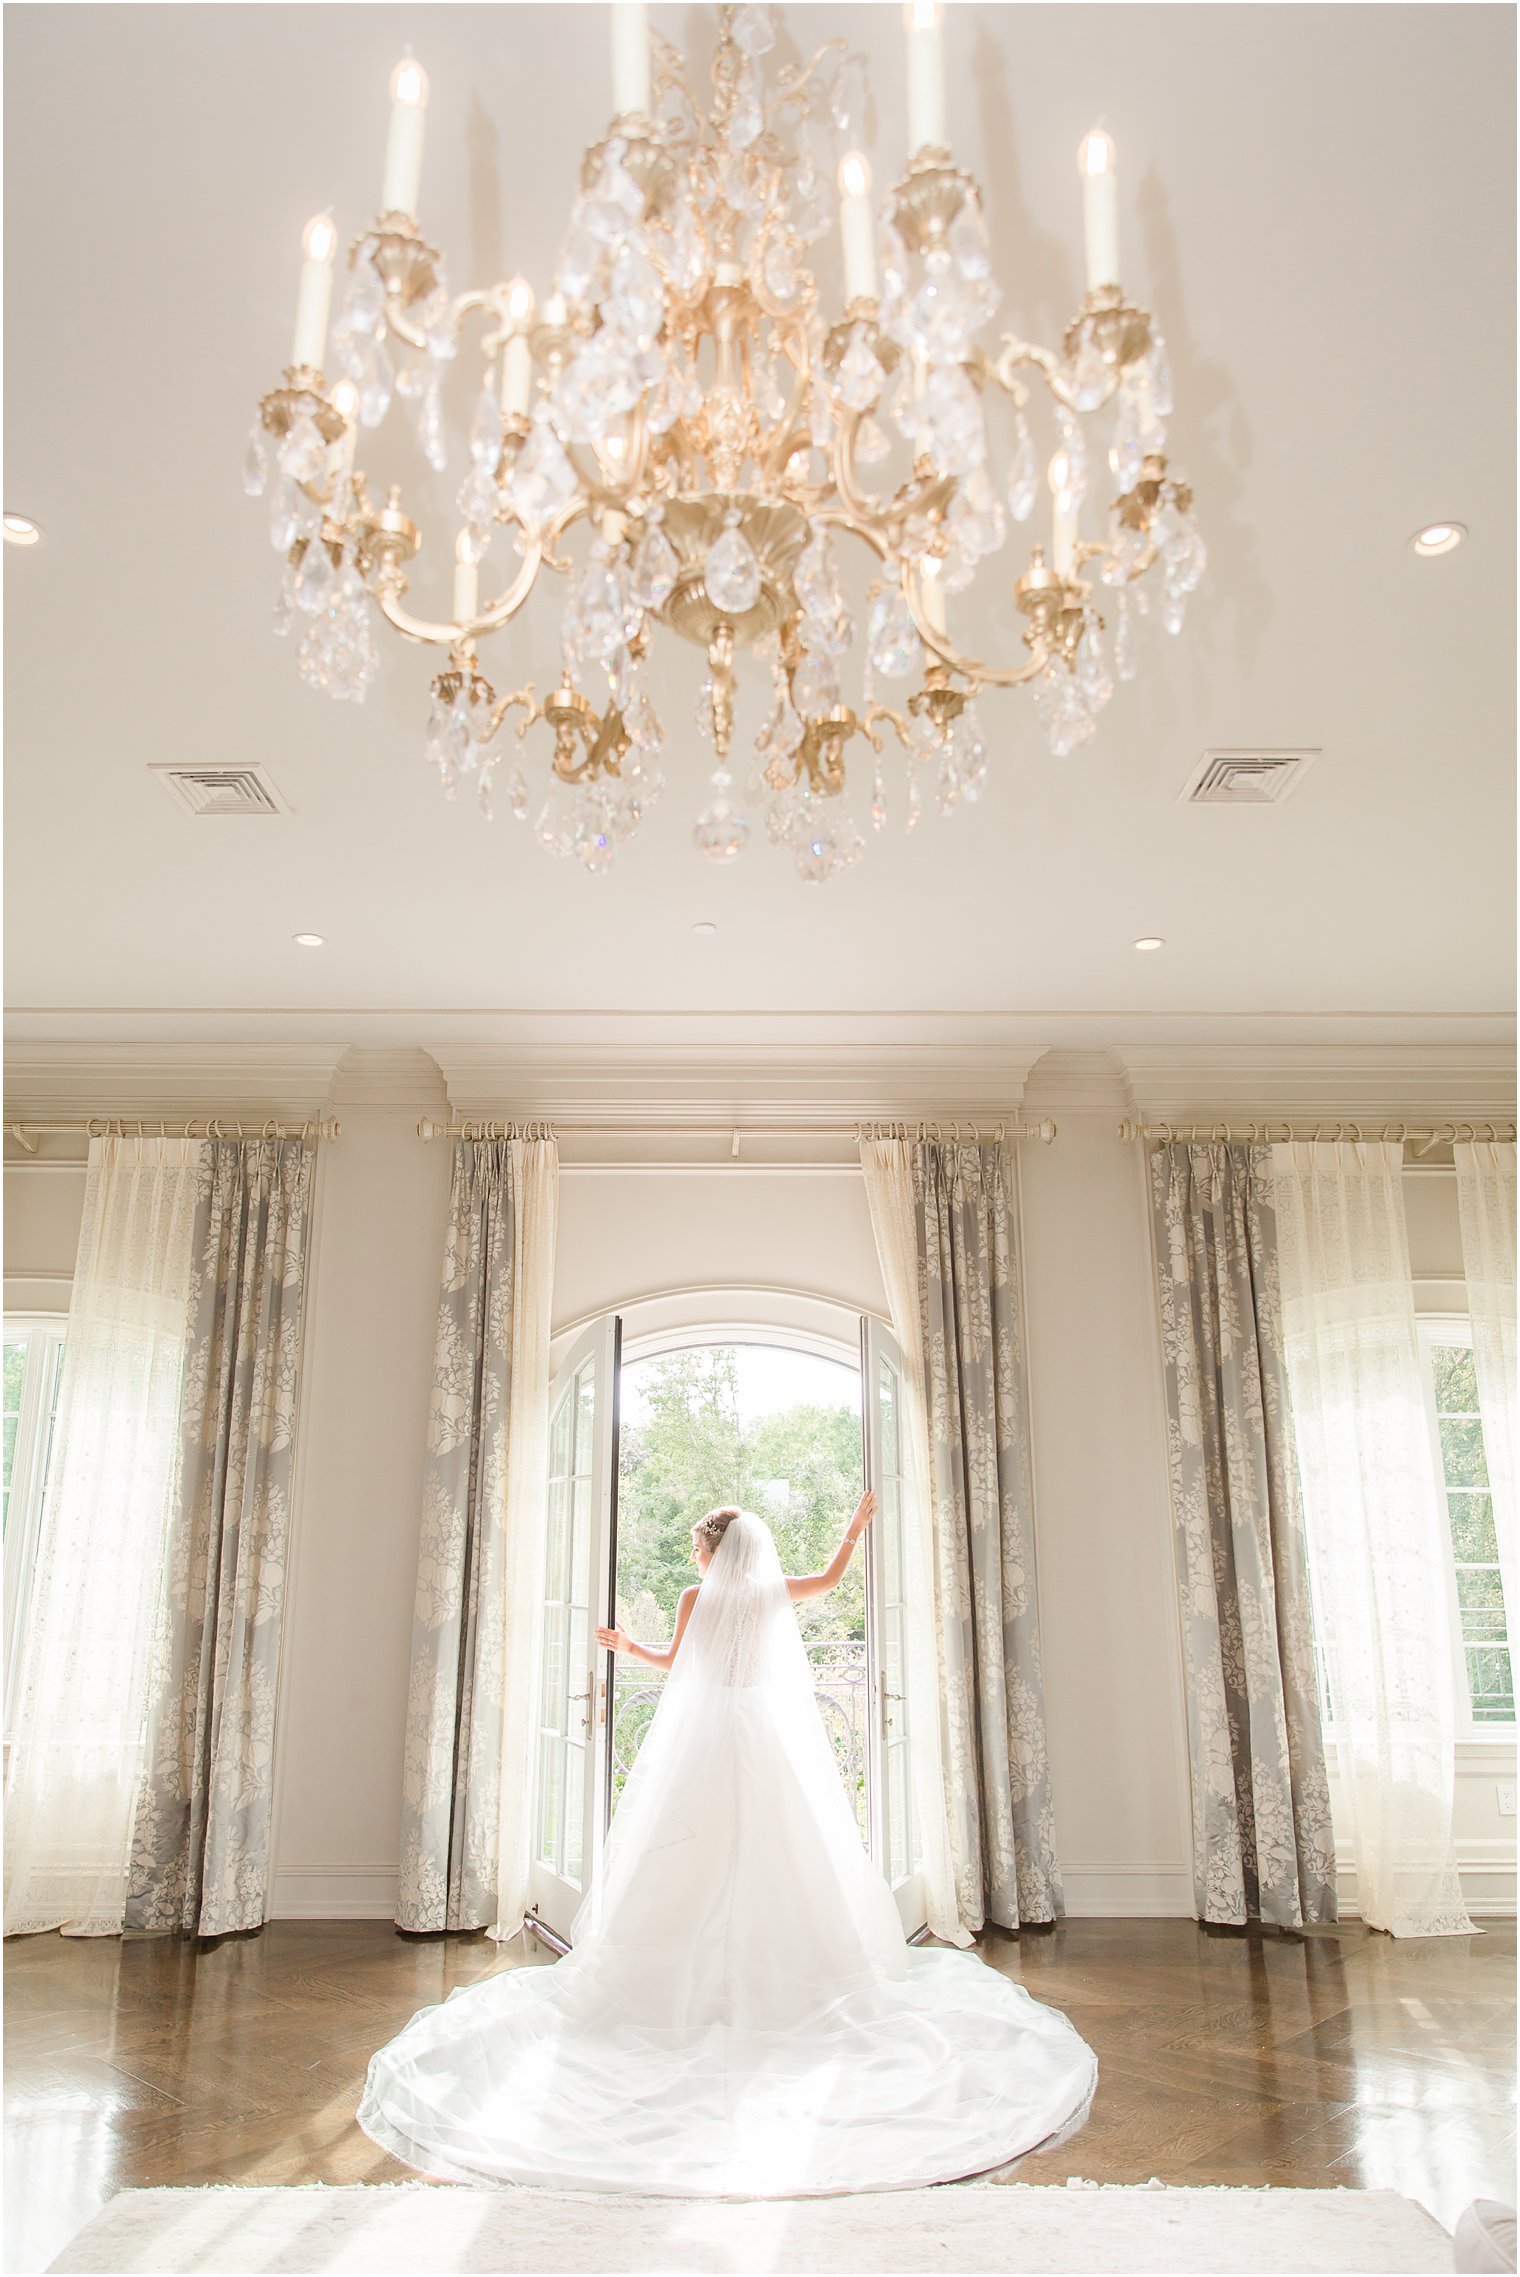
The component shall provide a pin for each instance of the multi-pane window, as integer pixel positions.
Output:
(33, 1365)
(1481, 1632)
(1479, 1626)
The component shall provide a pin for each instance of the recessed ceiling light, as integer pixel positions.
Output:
(1439, 537)
(310, 940)
(1150, 941)
(704, 925)
(20, 530)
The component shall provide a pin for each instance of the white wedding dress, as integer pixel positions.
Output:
(740, 2015)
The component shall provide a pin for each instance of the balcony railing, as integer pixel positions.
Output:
(839, 1686)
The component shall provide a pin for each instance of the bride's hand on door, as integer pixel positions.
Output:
(865, 1511)
(614, 1640)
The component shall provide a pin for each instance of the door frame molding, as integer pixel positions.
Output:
(670, 1319)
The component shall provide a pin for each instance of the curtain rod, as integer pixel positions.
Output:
(1261, 1133)
(140, 1126)
(471, 1128)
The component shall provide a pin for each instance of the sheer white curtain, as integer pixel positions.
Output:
(1375, 1525)
(887, 1164)
(1486, 1200)
(76, 1752)
(535, 1216)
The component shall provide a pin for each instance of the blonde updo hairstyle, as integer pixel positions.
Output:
(711, 1529)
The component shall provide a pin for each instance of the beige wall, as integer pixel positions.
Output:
(1116, 1729)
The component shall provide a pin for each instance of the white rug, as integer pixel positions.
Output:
(1004, 2227)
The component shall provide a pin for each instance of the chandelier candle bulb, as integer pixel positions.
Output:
(319, 242)
(1063, 547)
(857, 227)
(403, 149)
(1098, 162)
(466, 581)
(630, 59)
(926, 77)
(516, 376)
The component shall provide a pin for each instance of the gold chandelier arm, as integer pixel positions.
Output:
(1094, 549)
(397, 320)
(390, 584)
(858, 502)
(520, 696)
(970, 668)
(538, 553)
(1014, 352)
(841, 518)
(886, 712)
(792, 79)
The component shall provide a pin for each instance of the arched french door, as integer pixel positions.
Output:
(580, 1740)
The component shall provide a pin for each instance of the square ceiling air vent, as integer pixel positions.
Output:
(1244, 778)
(221, 790)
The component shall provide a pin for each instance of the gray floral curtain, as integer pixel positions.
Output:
(452, 1767)
(200, 1842)
(1263, 1848)
(996, 1769)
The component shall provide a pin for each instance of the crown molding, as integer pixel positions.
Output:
(402, 1077)
(1181, 1083)
(799, 1082)
(1023, 1029)
(800, 1070)
(170, 1079)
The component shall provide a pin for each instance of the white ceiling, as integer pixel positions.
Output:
(1316, 200)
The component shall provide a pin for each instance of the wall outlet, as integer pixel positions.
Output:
(1505, 1790)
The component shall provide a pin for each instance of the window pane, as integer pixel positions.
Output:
(585, 1415)
(1456, 1379)
(1480, 1593)
(889, 1526)
(15, 1373)
(1491, 1683)
(1462, 1456)
(552, 1714)
(10, 1451)
(551, 1802)
(575, 1811)
(1472, 1528)
(559, 1446)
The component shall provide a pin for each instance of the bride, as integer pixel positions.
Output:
(740, 2015)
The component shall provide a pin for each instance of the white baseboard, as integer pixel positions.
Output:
(1119, 1890)
(334, 1893)
(1486, 1869)
(1122, 1891)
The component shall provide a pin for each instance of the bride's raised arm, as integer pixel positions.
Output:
(819, 1584)
(658, 1656)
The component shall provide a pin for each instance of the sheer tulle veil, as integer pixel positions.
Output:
(734, 1795)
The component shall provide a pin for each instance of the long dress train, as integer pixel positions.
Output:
(740, 2015)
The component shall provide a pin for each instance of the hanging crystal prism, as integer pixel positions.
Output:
(720, 832)
(1023, 472)
(732, 574)
(655, 567)
(1125, 660)
(256, 461)
(315, 578)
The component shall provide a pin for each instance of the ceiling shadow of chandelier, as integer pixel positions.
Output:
(683, 393)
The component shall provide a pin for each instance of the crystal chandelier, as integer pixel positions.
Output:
(683, 394)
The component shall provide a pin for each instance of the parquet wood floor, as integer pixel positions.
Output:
(1340, 2057)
